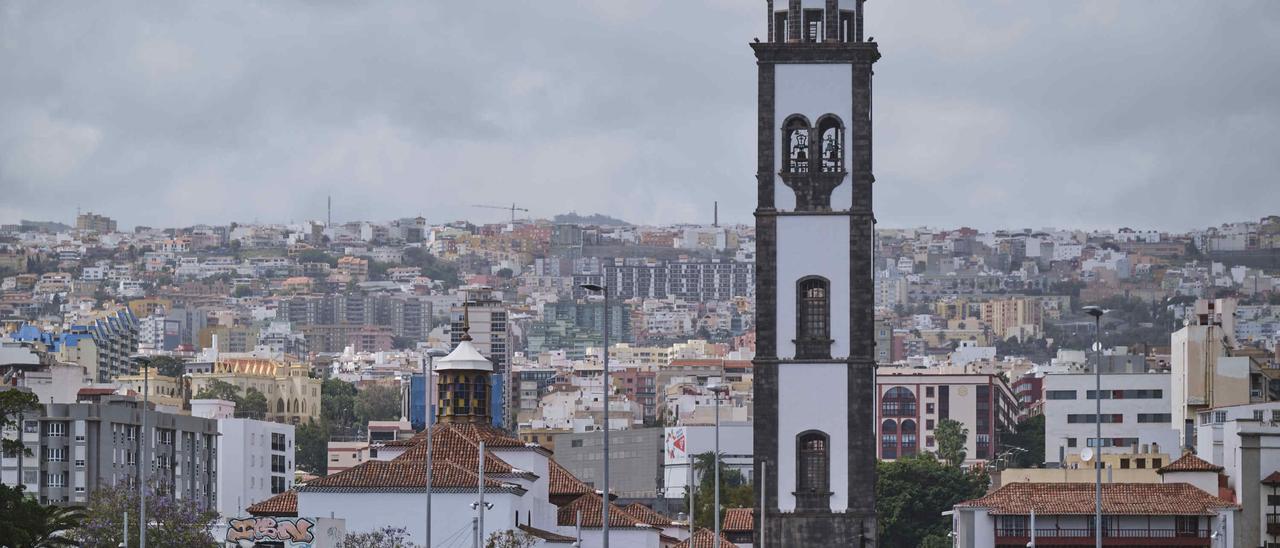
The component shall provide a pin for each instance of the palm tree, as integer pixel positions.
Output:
(50, 524)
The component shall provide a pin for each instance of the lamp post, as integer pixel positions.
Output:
(427, 367)
(604, 290)
(141, 459)
(1097, 313)
(715, 516)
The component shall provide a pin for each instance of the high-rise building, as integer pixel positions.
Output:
(255, 458)
(77, 447)
(95, 223)
(815, 319)
(486, 316)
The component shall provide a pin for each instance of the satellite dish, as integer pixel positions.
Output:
(1086, 454)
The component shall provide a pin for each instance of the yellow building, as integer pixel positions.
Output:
(292, 395)
(1017, 317)
(147, 307)
(162, 390)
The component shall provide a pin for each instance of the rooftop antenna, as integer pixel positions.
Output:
(715, 217)
(328, 221)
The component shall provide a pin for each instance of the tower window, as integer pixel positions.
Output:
(846, 26)
(813, 26)
(796, 139)
(813, 311)
(831, 132)
(780, 27)
(813, 471)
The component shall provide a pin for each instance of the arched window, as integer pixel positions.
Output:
(813, 470)
(831, 134)
(908, 437)
(280, 405)
(795, 142)
(898, 402)
(889, 439)
(813, 318)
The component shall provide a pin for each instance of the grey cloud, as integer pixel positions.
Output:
(991, 113)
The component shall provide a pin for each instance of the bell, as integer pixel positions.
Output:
(801, 156)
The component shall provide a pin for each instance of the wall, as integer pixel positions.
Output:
(451, 513)
(806, 395)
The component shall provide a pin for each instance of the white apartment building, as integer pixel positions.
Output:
(255, 458)
(1245, 441)
(1135, 415)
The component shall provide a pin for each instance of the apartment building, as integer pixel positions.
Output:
(255, 458)
(910, 403)
(1136, 416)
(99, 440)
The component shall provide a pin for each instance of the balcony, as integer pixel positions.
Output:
(1110, 537)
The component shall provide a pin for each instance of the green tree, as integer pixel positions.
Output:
(1025, 447)
(913, 492)
(951, 437)
(13, 403)
(317, 256)
(377, 402)
(253, 405)
(242, 291)
(311, 447)
(338, 405)
(168, 366)
(219, 390)
(432, 267)
(24, 522)
(735, 491)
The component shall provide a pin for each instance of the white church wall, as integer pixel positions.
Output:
(806, 393)
(809, 246)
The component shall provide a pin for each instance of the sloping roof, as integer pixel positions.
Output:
(460, 444)
(563, 482)
(592, 510)
(704, 538)
(739, 520)
(1272, 479)
(1122, 499)
(283, 505)
(399, 476)
(464, 357)
(547, 536)
(648, 515)
(1189, 463)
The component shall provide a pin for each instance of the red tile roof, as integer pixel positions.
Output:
(283, 505)
(1189, 463)
(547, 536)
(460, 444)
(648, 515)
(394, 475)
(704, 538)
(592, 510)
(562, 482)
(1126, 499)
(739, 520)
(1272, 479)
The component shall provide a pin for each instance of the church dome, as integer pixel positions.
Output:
(464, 358)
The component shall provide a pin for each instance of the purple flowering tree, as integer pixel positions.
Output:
(171, 522)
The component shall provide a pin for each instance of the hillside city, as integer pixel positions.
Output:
(283, 365)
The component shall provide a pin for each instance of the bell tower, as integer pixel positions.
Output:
(815, 355)
(464, 383)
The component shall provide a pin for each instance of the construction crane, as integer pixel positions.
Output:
(512, 208)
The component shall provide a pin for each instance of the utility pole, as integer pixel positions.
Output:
(1097, 313)
(143, 462)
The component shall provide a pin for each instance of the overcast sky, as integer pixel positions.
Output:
(1017, 113)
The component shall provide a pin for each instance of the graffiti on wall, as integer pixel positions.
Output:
(296, 532)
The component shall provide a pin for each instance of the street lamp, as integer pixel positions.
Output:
(604, 290)
(427, 372)
(1097, 313)
(142, 460)
(717, 389)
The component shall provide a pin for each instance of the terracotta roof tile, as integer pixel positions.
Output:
(547, 536)
(380, 475)
(1189, 463)
(283, 505)
(563, 482)
(648, 515)
(1130, 499)
(1272, 479)
(460, 444)
(592, 510)
(704, 538)
(739, 520)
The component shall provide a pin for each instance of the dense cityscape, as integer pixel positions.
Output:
(402, 372)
